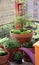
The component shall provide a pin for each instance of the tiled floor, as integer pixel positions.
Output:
(25, 63)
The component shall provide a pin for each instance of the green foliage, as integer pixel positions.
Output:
(4, 40)
(25, 31)
(10, 43)
(29, 44)
(23, 20)
(5, 30)
(2, 52)
(22, 1)
(36, 37)
(15, 31)
(18, 56)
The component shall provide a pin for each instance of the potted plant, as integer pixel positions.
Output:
(11, 45)
(21, 34)
(4, 56)
(36, 37)
(18, 57)
(29, 45)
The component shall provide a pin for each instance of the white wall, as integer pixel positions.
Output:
(30, 8)
(7, 11)
(33, 8)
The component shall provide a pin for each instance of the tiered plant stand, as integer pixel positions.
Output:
(22, 38)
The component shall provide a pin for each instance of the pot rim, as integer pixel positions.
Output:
(21, 34)
(5, 55)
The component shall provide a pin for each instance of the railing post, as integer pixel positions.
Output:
(36, 45)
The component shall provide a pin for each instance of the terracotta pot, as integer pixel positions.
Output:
(12, 52)
(4, 59)
(22, 37)
(6, 63)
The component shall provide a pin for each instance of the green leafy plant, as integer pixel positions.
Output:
(29, 44)
(36, 37)
(20, 32)
(22, 21)
(2, 52)
(20, 1)
(10, 43)
(4, 40)
(5, 30)
(18, 57)
(15, 31)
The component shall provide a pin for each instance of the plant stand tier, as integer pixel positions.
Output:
(22, 38)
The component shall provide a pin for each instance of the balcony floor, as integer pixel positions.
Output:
(24, 63)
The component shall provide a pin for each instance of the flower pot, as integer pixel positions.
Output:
(4, 59)
(22, 38)
(12, 52)
(19, 61)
